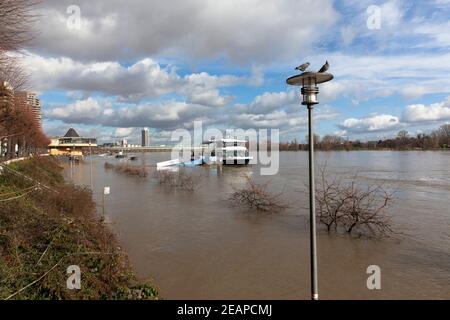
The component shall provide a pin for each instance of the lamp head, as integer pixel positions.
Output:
(309, 81)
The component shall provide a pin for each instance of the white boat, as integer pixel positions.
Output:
(121, 155)
(223, 152)
(227, 151)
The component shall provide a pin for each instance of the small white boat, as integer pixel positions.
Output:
(121, 155)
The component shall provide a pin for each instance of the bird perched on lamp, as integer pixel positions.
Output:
(303, 67)
(324, 67)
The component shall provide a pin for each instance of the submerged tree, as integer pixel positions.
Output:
(257, 196)
(348, 206)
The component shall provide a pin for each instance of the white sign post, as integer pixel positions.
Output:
(106, 192)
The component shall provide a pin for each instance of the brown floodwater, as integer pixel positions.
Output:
(197, 246)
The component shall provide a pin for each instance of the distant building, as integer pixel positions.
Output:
(145, 138)
(71, 144)
(31, 103)
(124, 143)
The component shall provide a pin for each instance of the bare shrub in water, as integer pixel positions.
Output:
(353, 208)
(132, 170)
(182, 179)
(188, 182)
(109, 166)
(127, 169)
(256, 196)
(166, 177)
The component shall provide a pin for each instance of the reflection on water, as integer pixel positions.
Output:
(194, 245)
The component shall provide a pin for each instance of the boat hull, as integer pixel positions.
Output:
(235, 162)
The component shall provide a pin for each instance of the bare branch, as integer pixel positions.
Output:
(256, 196)
(351, 207)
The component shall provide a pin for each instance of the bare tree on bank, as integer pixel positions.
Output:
(16, 22)
(436, 139)
(17, 18)
(13, 73)
(16, 31)
(17, 125)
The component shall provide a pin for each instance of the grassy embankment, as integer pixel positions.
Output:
(43, 232)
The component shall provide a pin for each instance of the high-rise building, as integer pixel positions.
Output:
(145, 138)
(30, 101)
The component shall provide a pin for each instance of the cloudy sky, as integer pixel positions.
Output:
(111, 67)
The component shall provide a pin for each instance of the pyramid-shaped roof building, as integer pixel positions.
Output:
(71, 133)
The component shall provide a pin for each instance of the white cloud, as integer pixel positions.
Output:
(372, 123)
(275, 110)
(391, 13)
(82, 111)
(348, 33)
(143, 79)
(427, 113)
(413, 91)
(268, 110)
(123, 132)
(251, 30)
(168, 114)
(438, 34)
(270, 101)
(275, 119)
(414, 114)
(362, 77)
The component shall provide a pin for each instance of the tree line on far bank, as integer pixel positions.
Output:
(437, 139)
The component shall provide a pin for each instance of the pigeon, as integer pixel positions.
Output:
(303, 67)
(324, 68)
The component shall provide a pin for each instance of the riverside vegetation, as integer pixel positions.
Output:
(341, 206)
(438, 139)
(127, 169)
(46, 225)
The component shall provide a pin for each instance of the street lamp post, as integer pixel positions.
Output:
(309, 81)
(90, 166)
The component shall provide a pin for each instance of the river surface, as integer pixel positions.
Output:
(195, 245)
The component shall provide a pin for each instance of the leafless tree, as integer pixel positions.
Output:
(166, 177)
(182, 180)
(17, 126)
(188, 182)
(12, 72)
(16, 22)
(17, 18)
(257, 196)
(351, 207)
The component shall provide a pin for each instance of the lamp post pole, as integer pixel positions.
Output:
(90, 166)
(308, 81)
(312, 206)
